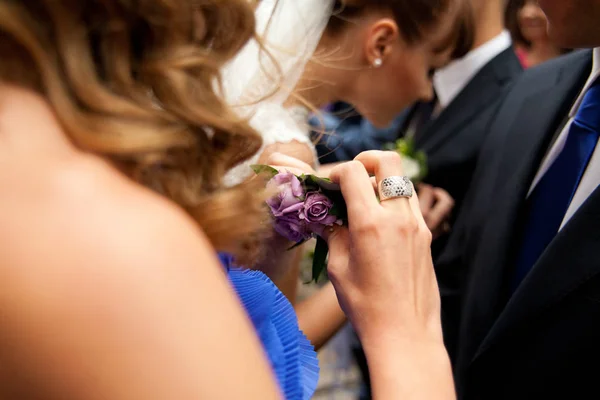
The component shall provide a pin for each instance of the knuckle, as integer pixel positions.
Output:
(273, 157)
(375, 157)
(366, 227)
(371, 223)
(337, 270)
(350, 168)
(426, 235)
(408, 224)
(391, 158)
(334, 267)
(367, 154)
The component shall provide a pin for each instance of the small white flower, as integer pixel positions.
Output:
(411, 167)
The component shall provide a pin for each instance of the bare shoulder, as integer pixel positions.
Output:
(73, 225)
(57, 202)
(64, 213)
(81, 211)
(110, 272)
(109, 281)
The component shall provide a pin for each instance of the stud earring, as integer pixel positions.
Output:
(378, 62)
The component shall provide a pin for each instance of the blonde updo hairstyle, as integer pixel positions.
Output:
(134, 81)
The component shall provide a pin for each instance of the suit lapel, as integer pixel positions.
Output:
(547, 283)
(458, 113)
(529, 137)
(486, 286)
(470, 102)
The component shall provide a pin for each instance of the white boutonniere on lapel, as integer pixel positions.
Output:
(414, 162)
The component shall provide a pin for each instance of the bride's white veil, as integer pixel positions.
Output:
(291, 31)
(258, 81)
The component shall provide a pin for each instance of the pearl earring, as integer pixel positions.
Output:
(378, 62)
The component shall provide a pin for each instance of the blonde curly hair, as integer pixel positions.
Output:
(134, 81)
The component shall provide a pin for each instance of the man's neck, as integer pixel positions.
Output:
(490, 23)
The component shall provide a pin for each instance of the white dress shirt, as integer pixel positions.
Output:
(449, 81)
(591, 177)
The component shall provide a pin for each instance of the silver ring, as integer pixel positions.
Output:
(395, 187)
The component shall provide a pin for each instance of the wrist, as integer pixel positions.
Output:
(401, 333)
(385, 344)
(417, 368)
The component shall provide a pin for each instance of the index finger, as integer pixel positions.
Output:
(384, 164)
(356, 186)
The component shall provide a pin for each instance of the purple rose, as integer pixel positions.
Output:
(316, 209)
(290, 198)
(292, 228)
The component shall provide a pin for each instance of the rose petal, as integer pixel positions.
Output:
(315, 197)
(290, 210)
(274, 202)
(317, 207)
(329, 220)
(297, 189)
(313, 216)
(281, 178)
(288, 199)
(291, 229)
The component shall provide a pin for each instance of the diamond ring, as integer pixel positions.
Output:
(395, 187)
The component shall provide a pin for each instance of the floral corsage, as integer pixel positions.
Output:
(303, 208)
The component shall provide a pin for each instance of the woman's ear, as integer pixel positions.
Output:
(381, 37)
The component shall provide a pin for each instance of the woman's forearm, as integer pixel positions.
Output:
(414, 369)
(320, 316)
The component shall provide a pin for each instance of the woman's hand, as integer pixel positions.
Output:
(383, 274)
(381, 265)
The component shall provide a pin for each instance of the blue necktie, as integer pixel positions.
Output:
(550, 200)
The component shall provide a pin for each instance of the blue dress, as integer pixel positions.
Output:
(291, 355)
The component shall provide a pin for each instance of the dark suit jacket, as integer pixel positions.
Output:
(452, 141)
(543, 342)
